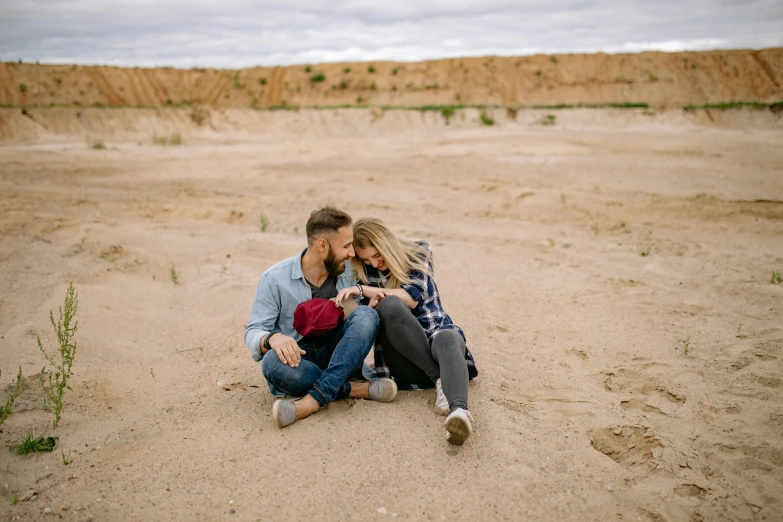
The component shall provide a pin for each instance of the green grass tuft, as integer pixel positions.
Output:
(549, 119)
(263, 222)
(486, 119)
(317, 77)
(729, 105)
(686, 345)
(173, 275)
(7, 408)
(33, 444)
(65, 329)
(97, 145)
(448, 112)
(371, 69)
(776, 278)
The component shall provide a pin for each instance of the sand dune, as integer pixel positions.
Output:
(659, 79)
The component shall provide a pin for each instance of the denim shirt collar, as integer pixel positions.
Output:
(296, 270)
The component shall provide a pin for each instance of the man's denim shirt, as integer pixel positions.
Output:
(281, 289)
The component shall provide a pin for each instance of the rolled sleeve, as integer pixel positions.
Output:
(263, 316)
(417, 288)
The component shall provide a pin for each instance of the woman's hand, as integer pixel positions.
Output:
(377, 298)
(345, 293)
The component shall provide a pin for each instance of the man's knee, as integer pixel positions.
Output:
(292, 381)
(390, 307)
(364, 320)
(269, 363)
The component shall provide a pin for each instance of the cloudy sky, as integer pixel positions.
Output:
(241, 33)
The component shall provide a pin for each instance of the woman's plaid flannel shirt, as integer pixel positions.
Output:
(429, 312)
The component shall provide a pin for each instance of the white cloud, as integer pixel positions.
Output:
(239, 33)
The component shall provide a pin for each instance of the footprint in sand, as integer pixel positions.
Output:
(626, 445)
(627, 380)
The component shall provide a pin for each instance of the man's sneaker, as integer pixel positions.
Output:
(458, 426)
(383, 390)
(283, 413)
(441, 403)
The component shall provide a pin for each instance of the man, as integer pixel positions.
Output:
(314, 368)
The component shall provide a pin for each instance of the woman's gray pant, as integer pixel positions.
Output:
(412, 359)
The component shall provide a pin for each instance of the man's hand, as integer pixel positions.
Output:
(377, 298)
(345, 293)
(286, 349)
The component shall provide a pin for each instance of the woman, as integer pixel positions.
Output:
(417, 342)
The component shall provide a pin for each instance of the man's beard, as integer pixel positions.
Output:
(333, 267)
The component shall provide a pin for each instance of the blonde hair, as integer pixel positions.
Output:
(400, 255)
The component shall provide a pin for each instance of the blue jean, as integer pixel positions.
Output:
(329, 362)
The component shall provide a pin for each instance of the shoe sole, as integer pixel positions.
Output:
(275, 418)
(458, 431)
(380, 399)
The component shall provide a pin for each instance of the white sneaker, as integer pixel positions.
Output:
(458, 426)
(441, 403)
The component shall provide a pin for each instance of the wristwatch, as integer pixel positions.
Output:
(266, 341)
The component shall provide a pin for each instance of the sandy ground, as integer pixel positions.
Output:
(586, 407)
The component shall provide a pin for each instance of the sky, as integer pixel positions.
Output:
(242, 33)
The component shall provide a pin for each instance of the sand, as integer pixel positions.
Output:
(586, 407)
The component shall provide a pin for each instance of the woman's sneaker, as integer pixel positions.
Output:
(458, 426)
(441, 403)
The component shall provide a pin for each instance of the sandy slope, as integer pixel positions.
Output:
(586, 407)
(660, 79)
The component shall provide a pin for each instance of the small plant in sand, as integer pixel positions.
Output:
(32, 444)
(263, 222)
(447, 112)
(174, 139)
(394, 72)
(64, 329)
(66, 459)
(549, 119)
(317, 77)
(262, 81)
(7, 408)
(776, 278)
(173, 275)
(644, 249)
(686, 345)
(346, 70)
(370, 69)
(486, 119)
(308, 68)
(97, 145)
(15, 498)
(22, 88)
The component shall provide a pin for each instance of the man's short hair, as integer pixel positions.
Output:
(325, 221)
